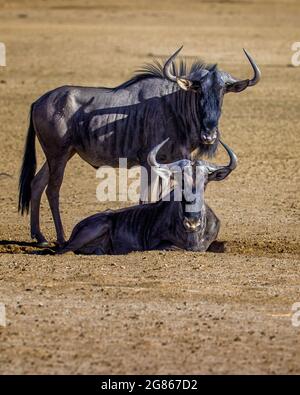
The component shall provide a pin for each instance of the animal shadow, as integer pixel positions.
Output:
(32, 248)
(25, 247)
(217, 247)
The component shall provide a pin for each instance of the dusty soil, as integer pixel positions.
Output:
(227, 311)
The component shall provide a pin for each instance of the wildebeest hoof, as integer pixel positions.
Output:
(42, 243)
(40, 240)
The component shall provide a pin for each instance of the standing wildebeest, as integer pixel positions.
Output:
(103, 125)
(187, 224)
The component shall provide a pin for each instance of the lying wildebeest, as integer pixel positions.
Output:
(188, 224)
(103, 125)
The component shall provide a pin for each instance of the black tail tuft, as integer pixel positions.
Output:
(28, 168)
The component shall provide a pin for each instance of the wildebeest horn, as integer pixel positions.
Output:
(168, 66)
(152, 154)
(174, 166)
(233, 159)
(257, 73)
(235, 85)
(232, 163)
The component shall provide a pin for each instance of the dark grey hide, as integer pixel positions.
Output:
(102, 125)
(188, 224)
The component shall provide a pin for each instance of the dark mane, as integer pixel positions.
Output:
(155, 70)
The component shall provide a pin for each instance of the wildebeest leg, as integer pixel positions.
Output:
(38, 185)
(56, 173)
(89, 238)
(167, 246)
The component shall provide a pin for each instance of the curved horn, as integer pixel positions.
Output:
(233, 158)
(168, 65)
(173, 166)
(227, 78)
(152, 154)
(232, 163)
(257, 73)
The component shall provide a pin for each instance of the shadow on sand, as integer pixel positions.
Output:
(25, 247)
(32, 248)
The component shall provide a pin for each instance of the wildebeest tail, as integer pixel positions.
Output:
(28, 168)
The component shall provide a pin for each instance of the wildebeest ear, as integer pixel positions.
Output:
(238, 86)
(188, 85)
(220, 174)
(184, 84)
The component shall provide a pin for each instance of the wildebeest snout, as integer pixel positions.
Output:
(192, 224)
(209, 136)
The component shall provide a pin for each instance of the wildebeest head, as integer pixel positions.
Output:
(192, 177)
(210, 84)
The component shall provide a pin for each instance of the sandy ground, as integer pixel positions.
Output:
(227, 311)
